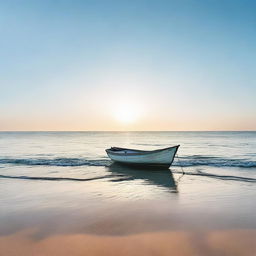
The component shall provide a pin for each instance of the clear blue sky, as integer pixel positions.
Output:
(182, 65)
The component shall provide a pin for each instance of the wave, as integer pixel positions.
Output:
(221, 177)
(120, 178)
(197, 160)
(55, 161)
(57, 178)
(188, 161)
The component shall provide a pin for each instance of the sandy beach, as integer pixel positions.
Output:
(237, 243)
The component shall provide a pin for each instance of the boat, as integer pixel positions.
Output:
(153, 158)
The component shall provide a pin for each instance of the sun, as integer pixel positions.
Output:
(126, 113)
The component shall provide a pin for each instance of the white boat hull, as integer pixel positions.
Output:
(162, 157)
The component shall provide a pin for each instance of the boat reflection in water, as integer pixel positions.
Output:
(160, 177)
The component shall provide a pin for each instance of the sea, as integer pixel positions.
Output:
(63, 186)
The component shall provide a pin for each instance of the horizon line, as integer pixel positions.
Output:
(128, 131)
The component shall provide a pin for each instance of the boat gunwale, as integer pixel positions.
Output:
(140, 152)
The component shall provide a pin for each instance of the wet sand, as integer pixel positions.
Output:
(182, 243)
(137, 228)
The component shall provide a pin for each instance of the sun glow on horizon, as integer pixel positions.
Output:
(127, 113)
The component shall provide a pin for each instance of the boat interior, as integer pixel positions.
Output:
(123, 150)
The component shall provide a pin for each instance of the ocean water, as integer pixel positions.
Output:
(63, 183)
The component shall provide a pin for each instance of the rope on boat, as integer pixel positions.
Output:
(183, 172)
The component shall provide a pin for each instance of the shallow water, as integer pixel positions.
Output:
(62, 184)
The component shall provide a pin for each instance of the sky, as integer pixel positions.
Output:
(127, 65)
